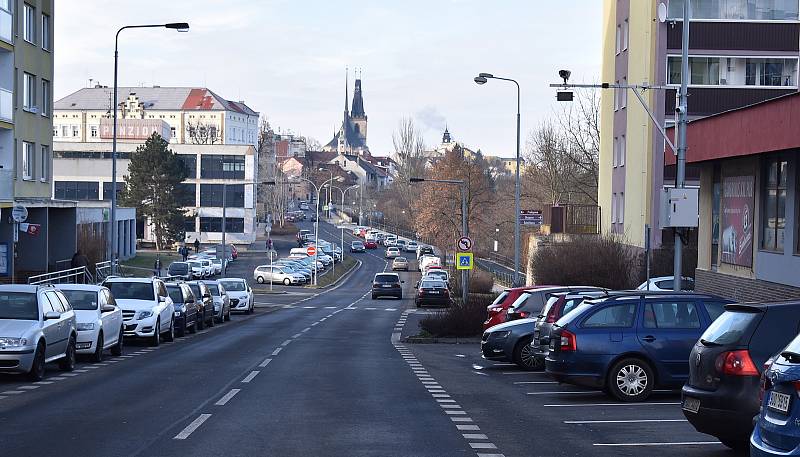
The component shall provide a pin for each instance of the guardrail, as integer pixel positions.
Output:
(70, 276)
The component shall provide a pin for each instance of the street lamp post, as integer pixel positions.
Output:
(180, 27)
(343, 191)
(480, 80)
(329, 191)
(464, 227)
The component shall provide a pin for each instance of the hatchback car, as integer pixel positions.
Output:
(357, 246)
(370, 244)
(411, 246)
(180, 270)
(392, 252)
(776, 432)
(277, 274)
(188, 312)
(99, 319)
(202, 294)
(387, 284)
(720, 397)
(531, 302)
(37, 326)
(432, 292)
(222, 303)
(239, 293)
(400, 263)
(631, 342)
(496, 310)
(147, 309)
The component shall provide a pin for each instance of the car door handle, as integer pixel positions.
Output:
(649, 339)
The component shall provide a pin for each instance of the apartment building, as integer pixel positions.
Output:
(741, 52)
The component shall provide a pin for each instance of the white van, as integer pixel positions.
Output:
(299, 251)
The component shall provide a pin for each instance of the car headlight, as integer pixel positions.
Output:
(500, 335)
(145, 314)
(13, 342)
(85, 326)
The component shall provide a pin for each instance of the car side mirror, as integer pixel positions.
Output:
(108, 308)
(51, 315)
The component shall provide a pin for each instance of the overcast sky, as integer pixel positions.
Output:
(286, 58)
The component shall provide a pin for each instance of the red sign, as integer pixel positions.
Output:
(738, 205)
(30, 229)
(311, 251)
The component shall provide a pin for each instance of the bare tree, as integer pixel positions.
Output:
(201, 133)
(548, 166)
(579, 123)
(409, 150)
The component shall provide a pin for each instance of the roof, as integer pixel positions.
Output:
(321, 156)
(154, 98)
(358, 101)
(353, 139)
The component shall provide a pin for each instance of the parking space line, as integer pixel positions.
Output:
(13, 392)
(192, 427)
(572, 405)
(677, 443)
(250, 377)
(624, 421)
(44, 383)
(225, 399)
(265, 363)
(468, 428)
(475, 436)
(565, 392)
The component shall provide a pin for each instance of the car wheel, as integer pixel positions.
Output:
(228, 315)
(419, 305)
(98, 352)
(38, 367)
(68, 362)
(287, 282)
(735, 443)
(213, 321)
(524, 357)
(374, 296)
(182, 331)
(260, 280)
(200, 323)
(171, 332)
(400, 297)
(631, 380)
(116, 350)
(155, 340)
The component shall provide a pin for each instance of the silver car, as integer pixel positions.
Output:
(277, 274)
(37, 326)
(239, 293)
(222, 302)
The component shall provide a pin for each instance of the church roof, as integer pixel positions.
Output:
(358, 101)
(353, 138)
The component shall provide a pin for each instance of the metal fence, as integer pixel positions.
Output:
(68, 276)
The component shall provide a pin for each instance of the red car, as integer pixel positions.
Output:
(496, 312)
(370, 245)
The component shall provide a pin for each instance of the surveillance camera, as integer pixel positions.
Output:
(564, 74)
(679, 109)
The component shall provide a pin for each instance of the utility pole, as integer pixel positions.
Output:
(683, 120)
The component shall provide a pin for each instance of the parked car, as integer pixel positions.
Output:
(438, 273)
(400, 263)
(208, 267)
(277, 274)
(198, 271)
(217, 264)
(424, 250)
(665, 283)
(147, 309)
(630, 342)
(387, 284)
(511, 342)
(720, 397)
(222, 303)
(187, 310)
(294, 267)
(98, 319)
(180, 270)
(240, 294)
(202, 294)
(392, 252)
(432, 292)
(411, 246)
(369, 244)
(776, 432)
(496, 311)
(38, 327)
(530, 303)
(357, 246)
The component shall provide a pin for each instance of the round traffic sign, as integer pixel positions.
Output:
(464, 243)
(19, 213)
(311, 250)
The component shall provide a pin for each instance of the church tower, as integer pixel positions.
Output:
(357, 114)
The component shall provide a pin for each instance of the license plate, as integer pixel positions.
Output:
(691, 404)
(387, 285)
(434, 292)
(177, 314)
(779, 402)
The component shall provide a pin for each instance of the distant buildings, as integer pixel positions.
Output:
(351, 138)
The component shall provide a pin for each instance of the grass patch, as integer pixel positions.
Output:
(342, 268)
(148, 259)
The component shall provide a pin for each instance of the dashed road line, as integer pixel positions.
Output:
(286, 343)
(28, 387)
(227, 397)
(276, 351)
(265, 363)
(250, 377)
(192, 427)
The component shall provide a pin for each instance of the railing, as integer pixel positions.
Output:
(70, 276)
(6, 184)
(6, 105)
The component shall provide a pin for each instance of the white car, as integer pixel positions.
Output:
(208, 267)
(390, 240)
(99, 319)
(240, 294)
(392, 252)
(217, 265)
(664, 283)
(198, 272)
(428, 261)
(147, 309)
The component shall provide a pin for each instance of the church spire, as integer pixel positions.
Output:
(358, 100)
(346, 92)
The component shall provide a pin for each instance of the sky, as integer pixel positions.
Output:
(287, 58)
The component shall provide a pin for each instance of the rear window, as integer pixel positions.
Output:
(520, 300)
(19, 305)
(714, 309)
(548, 304)
(386, 278)
(500, 298)
(571, 304)
(132, 290)
(731, 327)
(432, 285)
(613, 316)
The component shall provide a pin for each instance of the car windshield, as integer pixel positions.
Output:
(81, 299)
(386, 278)
(432, 285)
(234, 286)
(132, 290)
(19, 305)
(730, 328)
(175, 294)
(178, 267)
(214, 289)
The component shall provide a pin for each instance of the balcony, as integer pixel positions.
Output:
(6, 21)
(6, 184)
(6, 105)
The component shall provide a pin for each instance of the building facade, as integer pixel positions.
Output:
(351, 137)
(741, 52)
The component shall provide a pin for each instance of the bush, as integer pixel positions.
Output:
(603, 261)
(480, 282)
(288, 229)
(460, 320)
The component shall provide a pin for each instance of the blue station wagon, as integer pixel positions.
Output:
(631, 342)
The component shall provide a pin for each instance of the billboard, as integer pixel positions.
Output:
(738, 204)
(134, 129)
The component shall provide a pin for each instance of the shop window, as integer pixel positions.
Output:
(773, 220)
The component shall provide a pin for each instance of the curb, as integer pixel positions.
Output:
(426, 340)
(269, 292)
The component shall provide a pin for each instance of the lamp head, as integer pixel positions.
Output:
(486, 75)
(564, 74)
(179, 26)
(480, 80)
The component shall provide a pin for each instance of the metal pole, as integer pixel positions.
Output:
(316, 235)
(114, 163)
(517, 209)
(465, 232)
(680, 177)
(224, 223)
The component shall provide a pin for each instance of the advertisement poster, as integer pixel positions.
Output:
(738, 202)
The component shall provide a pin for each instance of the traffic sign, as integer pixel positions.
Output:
(531, 217)
(19, 213)
(464, 261)
(464, 243)
(311, 251)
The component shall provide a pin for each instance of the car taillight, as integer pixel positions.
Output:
(568, 341)
(496, 309)
(523, 314)
(736, 363)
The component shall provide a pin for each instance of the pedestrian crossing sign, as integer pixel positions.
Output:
(464, 261)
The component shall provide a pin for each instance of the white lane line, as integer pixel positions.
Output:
(126, 357)
(222, 401)
(265, 363)
(330, 307)
(71, 375)
(80, 371)
(323, 319)
(286, 343)
(297, 335)
(250, 377)
(391, 309)
(28, 387)
(445, 400)
(192, 427)
(43, 383)
(625, 421)
(56, 378)
(305, 330)
(535, 382)
(309, 307)
(13, 392)
(461, 419)
(441, 396)
(276, 351)
(315, 323)
(482, 446)
(677, 443)
(571, 405)
(92, 367)
(565, 392)
(370, 309)
(520, 372)
(455, 413)
(468, 428)
(490, 455)
(449, 406)
(475, 436)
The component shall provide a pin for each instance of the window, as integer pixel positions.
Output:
(742, 10)
(55, 131)
(44, 163)
(186, 194)
(45, 32)
(211, 195)
(234, 225)
(211, 224)
(681, 315)
(618, 45)
(27, 160)
(45, 97)
(76, 190)
(75, 131)
(735, 71)
(612, 316)
(29, 23)
(625, 33)
(622, 147)
(65, 131)
(621, 207)
(93, 131)
(774, 215)
(714, 309)
(222, 166)
(624, 94)
(171, 131)
(715, 214)
(190, 163)
(188, 224)
(614, 207)
(616, 152)
(28, 91)
(617, 97)
(107, 190)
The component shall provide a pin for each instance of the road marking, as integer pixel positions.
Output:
(297, 335)
(309, 307)
(630, 421)
(44, 383)
(276, 351)
(449, 406)
(482, 446)
(80, 371)
(323, 319)
(28, 387)
(535, 382)
(56, 378)
(265, 363)
(519, 372)
(455, 412)
(315, 323)
(461, 419)
(192, 427)
(222, 401)
(441, 396)
(391, 309)
(286, 343)
(92, 367)
(13, 392)
(305, 329)
(2, 397)
(250, 377)
(71, 375)
(612, 404)
(564, 392)
(445, 400)
(475, 436)
(471, 428)
(490, 455)
(330, 307)
(677, 443)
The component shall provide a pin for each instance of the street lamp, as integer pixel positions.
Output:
(180, 27)
(481, 79)
(464, 228)
(342, 240)
(329, 191)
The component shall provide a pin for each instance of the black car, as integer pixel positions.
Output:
(425, 250)
(432, 292)
(721, 395)
(357, 246)
(203, 294)
(180, 270)
(387, 285)
(187, 310)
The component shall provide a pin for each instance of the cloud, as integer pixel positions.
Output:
(431, 119)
